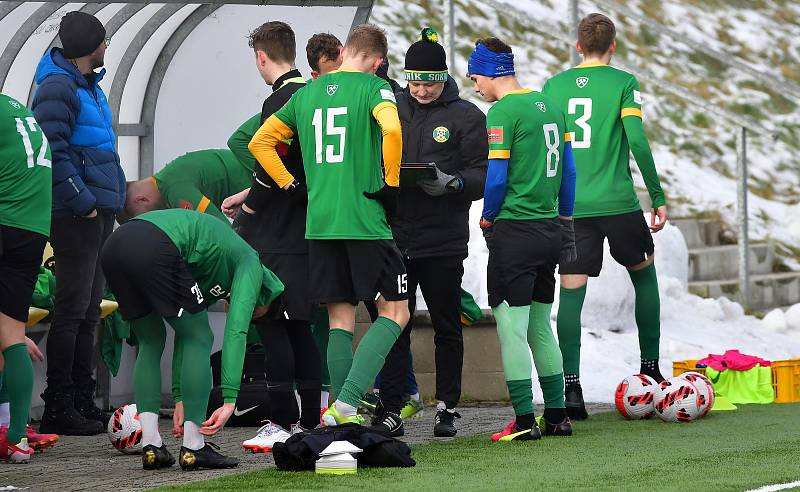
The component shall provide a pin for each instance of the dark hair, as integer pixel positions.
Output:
(494, 44)
(596, 32)
(368, 39)
(320, 45)
(276, 39)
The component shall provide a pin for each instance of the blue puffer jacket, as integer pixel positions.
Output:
(76, 119)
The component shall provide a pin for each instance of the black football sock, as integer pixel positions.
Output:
(650, 368)
(526, 421)
(555, 415)
(572, 380)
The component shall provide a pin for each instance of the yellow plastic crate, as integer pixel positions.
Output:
(785, 377)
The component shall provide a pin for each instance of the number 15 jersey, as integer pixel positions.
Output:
(341, 145)
(595, 99)
(26, 190)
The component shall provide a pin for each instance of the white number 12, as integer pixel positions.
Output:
(41, 159)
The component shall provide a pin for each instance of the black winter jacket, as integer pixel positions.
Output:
(452, 133)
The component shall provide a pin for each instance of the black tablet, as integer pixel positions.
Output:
(411, 172)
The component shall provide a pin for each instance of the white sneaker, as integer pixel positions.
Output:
(297, 429)
(19, 453)
(267, 436)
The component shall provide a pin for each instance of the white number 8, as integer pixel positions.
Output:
(552, 141)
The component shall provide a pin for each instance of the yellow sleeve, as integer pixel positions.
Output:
(263, 144)
(386, 116)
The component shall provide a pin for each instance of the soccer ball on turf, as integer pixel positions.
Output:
(705, 389)
(678, 400)
(124, 430)
(634, 396)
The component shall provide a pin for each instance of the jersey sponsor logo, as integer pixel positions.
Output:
(239, 413)
(388, 95)
(14, 104)
(541, 106)
(196, 291)
(186, 205)
(332, 89)
(637, 97)
(581, 82)
(441, 134)
(217, 291)
(495, 134)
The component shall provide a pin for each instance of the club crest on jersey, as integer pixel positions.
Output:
(581, 82)
(332, 89)
(14, 104)
(541, 106)
(441, 134)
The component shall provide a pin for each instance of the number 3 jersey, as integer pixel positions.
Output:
(341, 145)
(595, 99)
(25, 170)
(527, 128)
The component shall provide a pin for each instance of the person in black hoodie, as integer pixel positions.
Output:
(431, 226)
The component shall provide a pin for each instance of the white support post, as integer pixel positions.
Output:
(741, 217)
(451, 34)
(573, 15)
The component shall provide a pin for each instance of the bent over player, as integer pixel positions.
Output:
(526, 191)
(343, 120)
(603, 108)
(170, 265)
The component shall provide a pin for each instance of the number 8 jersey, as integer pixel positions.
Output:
(527, 128)
(340, 140)
(26, 188)
(595, 99)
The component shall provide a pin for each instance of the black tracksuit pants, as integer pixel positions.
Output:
(440, 281)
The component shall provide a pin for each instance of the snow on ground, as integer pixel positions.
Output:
(691, 326)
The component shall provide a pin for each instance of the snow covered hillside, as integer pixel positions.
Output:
(695, 151)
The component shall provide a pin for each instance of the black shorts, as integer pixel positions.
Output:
(20, 258)
(629, 239)
(293, 272)
(522, 261)
(147, 273)
(352, 270)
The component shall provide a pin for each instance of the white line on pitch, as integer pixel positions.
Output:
(776, 487)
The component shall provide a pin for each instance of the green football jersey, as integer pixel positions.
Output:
(201, 180)
(526, 128)
(26, 178)
(341, 145)
(224, 267)
(595, 99)
(240, 139)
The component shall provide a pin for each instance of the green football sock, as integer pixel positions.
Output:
(553, 390)
(320, 328)
(546, 355)
(648, 310)
(196, 340)
(340, 358)
(568, 324)
(3, 389)
(18, 374)
(512, 327)
(368, 359)
(151, 335)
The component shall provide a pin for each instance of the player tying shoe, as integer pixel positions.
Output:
(198, 180)
(25, 202)
(171, 265)
(604, 115)
(343, 120)
(526, 210)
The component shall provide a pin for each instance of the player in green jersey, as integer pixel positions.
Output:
(603, 109)
(527, 209)
(25, 202)
(170, 265)
(198, 180)
(344, 120)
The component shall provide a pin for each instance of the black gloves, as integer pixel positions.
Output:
(441, 185)
(387, 196)
(569, 253)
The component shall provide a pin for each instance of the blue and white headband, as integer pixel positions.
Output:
(486, 62)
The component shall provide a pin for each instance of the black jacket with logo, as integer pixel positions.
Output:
(452, 133)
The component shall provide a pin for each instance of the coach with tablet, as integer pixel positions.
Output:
(431, 226)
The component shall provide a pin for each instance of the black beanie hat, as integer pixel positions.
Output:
(80, 34)
(425, 59)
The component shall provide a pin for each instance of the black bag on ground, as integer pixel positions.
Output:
(252, 404)
(301, 451)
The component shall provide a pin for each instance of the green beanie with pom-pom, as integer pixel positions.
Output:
(426, 60)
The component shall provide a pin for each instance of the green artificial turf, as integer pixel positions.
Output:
(754, 446)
